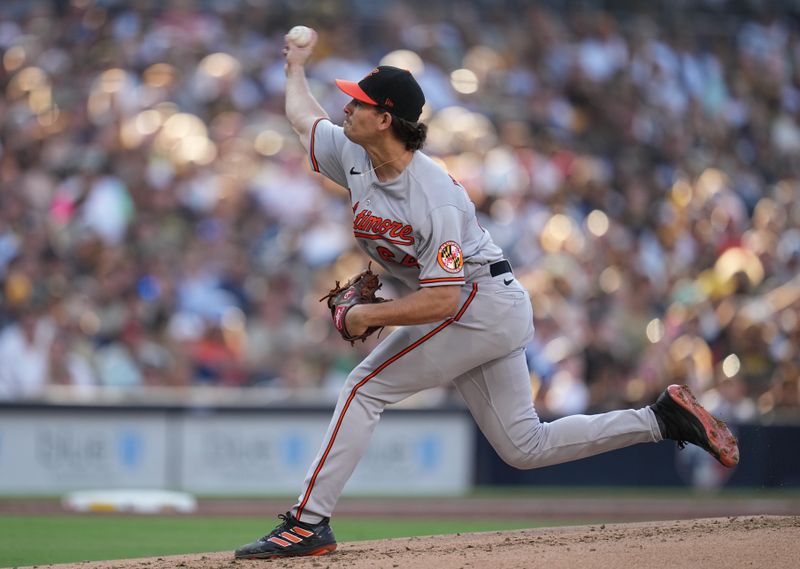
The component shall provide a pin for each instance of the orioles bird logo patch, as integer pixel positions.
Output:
(450, 257)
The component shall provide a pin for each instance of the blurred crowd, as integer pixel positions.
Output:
(638, 162)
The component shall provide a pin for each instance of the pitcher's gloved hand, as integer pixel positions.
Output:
(360, 289)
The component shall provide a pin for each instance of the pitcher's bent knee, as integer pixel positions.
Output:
(367, 394)
(523, 454)
(520, 460)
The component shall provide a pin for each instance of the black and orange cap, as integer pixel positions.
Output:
(389, 87)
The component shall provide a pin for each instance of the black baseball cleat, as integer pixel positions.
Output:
(292, 538)
(682, 419)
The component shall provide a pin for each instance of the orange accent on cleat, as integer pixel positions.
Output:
(291, 537)
(300, 531)
(723, 444)
(323, 550)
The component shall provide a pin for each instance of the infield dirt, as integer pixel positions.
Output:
(725, 543)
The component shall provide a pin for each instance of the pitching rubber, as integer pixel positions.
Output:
(722, 442)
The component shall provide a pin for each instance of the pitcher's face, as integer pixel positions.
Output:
(362, 121)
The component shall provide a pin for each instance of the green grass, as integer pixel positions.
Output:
(37, 540)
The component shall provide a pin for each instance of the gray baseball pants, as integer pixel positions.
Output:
(480, 350)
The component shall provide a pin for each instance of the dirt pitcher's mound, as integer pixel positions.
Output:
(724, 543)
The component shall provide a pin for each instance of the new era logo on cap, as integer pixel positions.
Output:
(389, 87)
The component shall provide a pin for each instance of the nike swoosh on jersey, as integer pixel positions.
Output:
(353, 171)
(508, 281)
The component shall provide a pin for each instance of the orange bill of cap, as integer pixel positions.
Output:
(352, 89)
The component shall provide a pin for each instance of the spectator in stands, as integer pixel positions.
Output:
(25, 347)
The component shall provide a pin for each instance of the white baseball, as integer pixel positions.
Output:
(300, 36)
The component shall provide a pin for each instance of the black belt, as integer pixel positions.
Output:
(500, 268)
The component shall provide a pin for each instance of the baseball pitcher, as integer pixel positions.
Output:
(417, 222)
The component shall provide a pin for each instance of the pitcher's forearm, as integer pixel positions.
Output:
(302, 109)
(420, 307)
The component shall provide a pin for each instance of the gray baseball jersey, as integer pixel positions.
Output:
(421, 227)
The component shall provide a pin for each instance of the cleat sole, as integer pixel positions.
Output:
(722, 442)
(324, 550)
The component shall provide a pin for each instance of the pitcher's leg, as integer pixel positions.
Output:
(498, 395)
(348, 436)
(400, 366)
